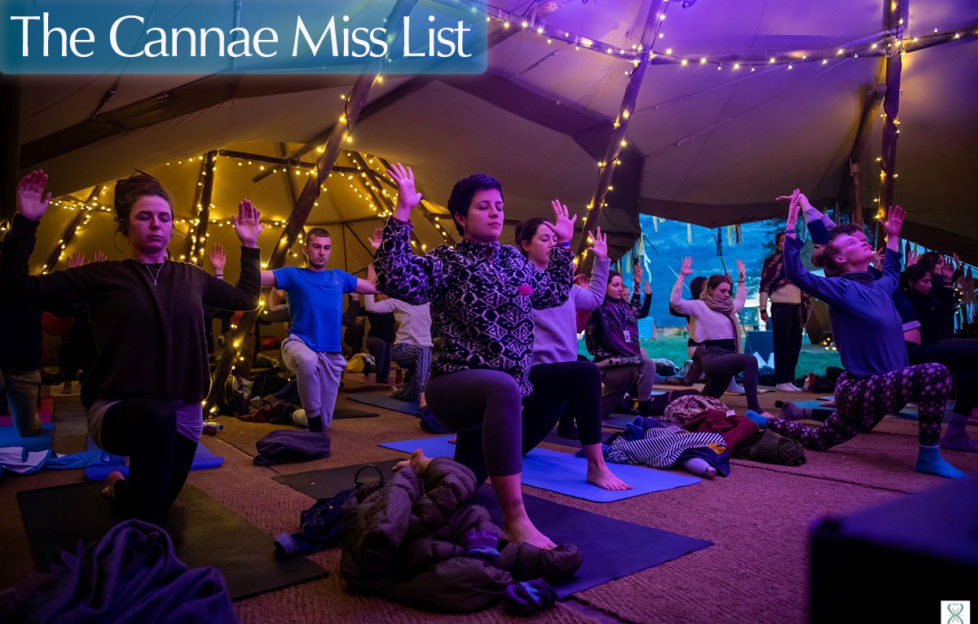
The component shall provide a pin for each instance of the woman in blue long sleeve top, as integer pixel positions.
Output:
(878, 379)
(922, 343)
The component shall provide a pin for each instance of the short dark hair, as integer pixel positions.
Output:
(929, 260)
(464, 190)
(780, 236)
(319, 232)
(696, 286)
(526, 230)
(128, 192)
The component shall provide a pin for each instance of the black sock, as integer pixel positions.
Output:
(316, 423)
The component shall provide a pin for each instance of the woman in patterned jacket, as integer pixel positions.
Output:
(482, 297)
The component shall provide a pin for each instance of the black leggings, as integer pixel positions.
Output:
(381, 350)
(720, 368)
(484, 407)
(563, 387)
(159, 457)
(960, 355)
(786, 323)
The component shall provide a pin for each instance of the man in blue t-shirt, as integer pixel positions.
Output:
(312, 350)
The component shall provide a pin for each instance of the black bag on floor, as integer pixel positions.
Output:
(321, 526)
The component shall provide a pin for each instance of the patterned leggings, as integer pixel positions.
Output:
(862, 402)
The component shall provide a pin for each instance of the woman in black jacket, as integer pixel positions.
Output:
(144, 391)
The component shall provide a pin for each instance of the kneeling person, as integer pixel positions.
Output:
(313, 350)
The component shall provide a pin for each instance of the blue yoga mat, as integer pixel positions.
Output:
(203, 458)
(380, 399)
(811, 404)
(612, 548)
(909, 411)
(564, 473)
(38, 442)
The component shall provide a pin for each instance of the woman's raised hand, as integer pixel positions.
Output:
(218, 258)
(407, 195)
(563, 223)
(796, 201)
(894, 222)
(376, 239)
(31, 199)
(247, 223)
(76, 260)
(599, 243)
(741, 269)
(687, 266)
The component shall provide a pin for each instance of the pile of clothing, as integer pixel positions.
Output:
(419, 541)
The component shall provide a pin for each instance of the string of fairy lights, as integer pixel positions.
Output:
(874, 45)
(361, 180)
(883, 43)
(880, 44)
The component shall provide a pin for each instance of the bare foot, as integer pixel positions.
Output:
(699, 467)
(602, 477)
(111, 480)
(418, 462)
(524, 532)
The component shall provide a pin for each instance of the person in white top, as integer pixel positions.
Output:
(718, 331)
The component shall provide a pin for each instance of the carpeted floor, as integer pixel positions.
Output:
(758, 519)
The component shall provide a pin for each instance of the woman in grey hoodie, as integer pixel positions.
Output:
(562, 384)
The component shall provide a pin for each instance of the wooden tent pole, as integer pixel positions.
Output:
(69, 232)
(615, 144)
(859, 148)
(895, 13)
(380, 201)
(339, 134)
(196, 242)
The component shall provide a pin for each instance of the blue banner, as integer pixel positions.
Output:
(241, 36)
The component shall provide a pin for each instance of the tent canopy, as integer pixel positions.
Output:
(717, 131)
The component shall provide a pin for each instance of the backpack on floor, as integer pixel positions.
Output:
(689, 407)
(321, 526)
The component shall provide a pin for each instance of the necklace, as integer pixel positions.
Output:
(155, 278)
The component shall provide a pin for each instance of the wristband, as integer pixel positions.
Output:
(565, 244)
(789, 231)
(219, 275)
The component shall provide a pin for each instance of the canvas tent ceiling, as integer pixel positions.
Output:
(712, 146)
